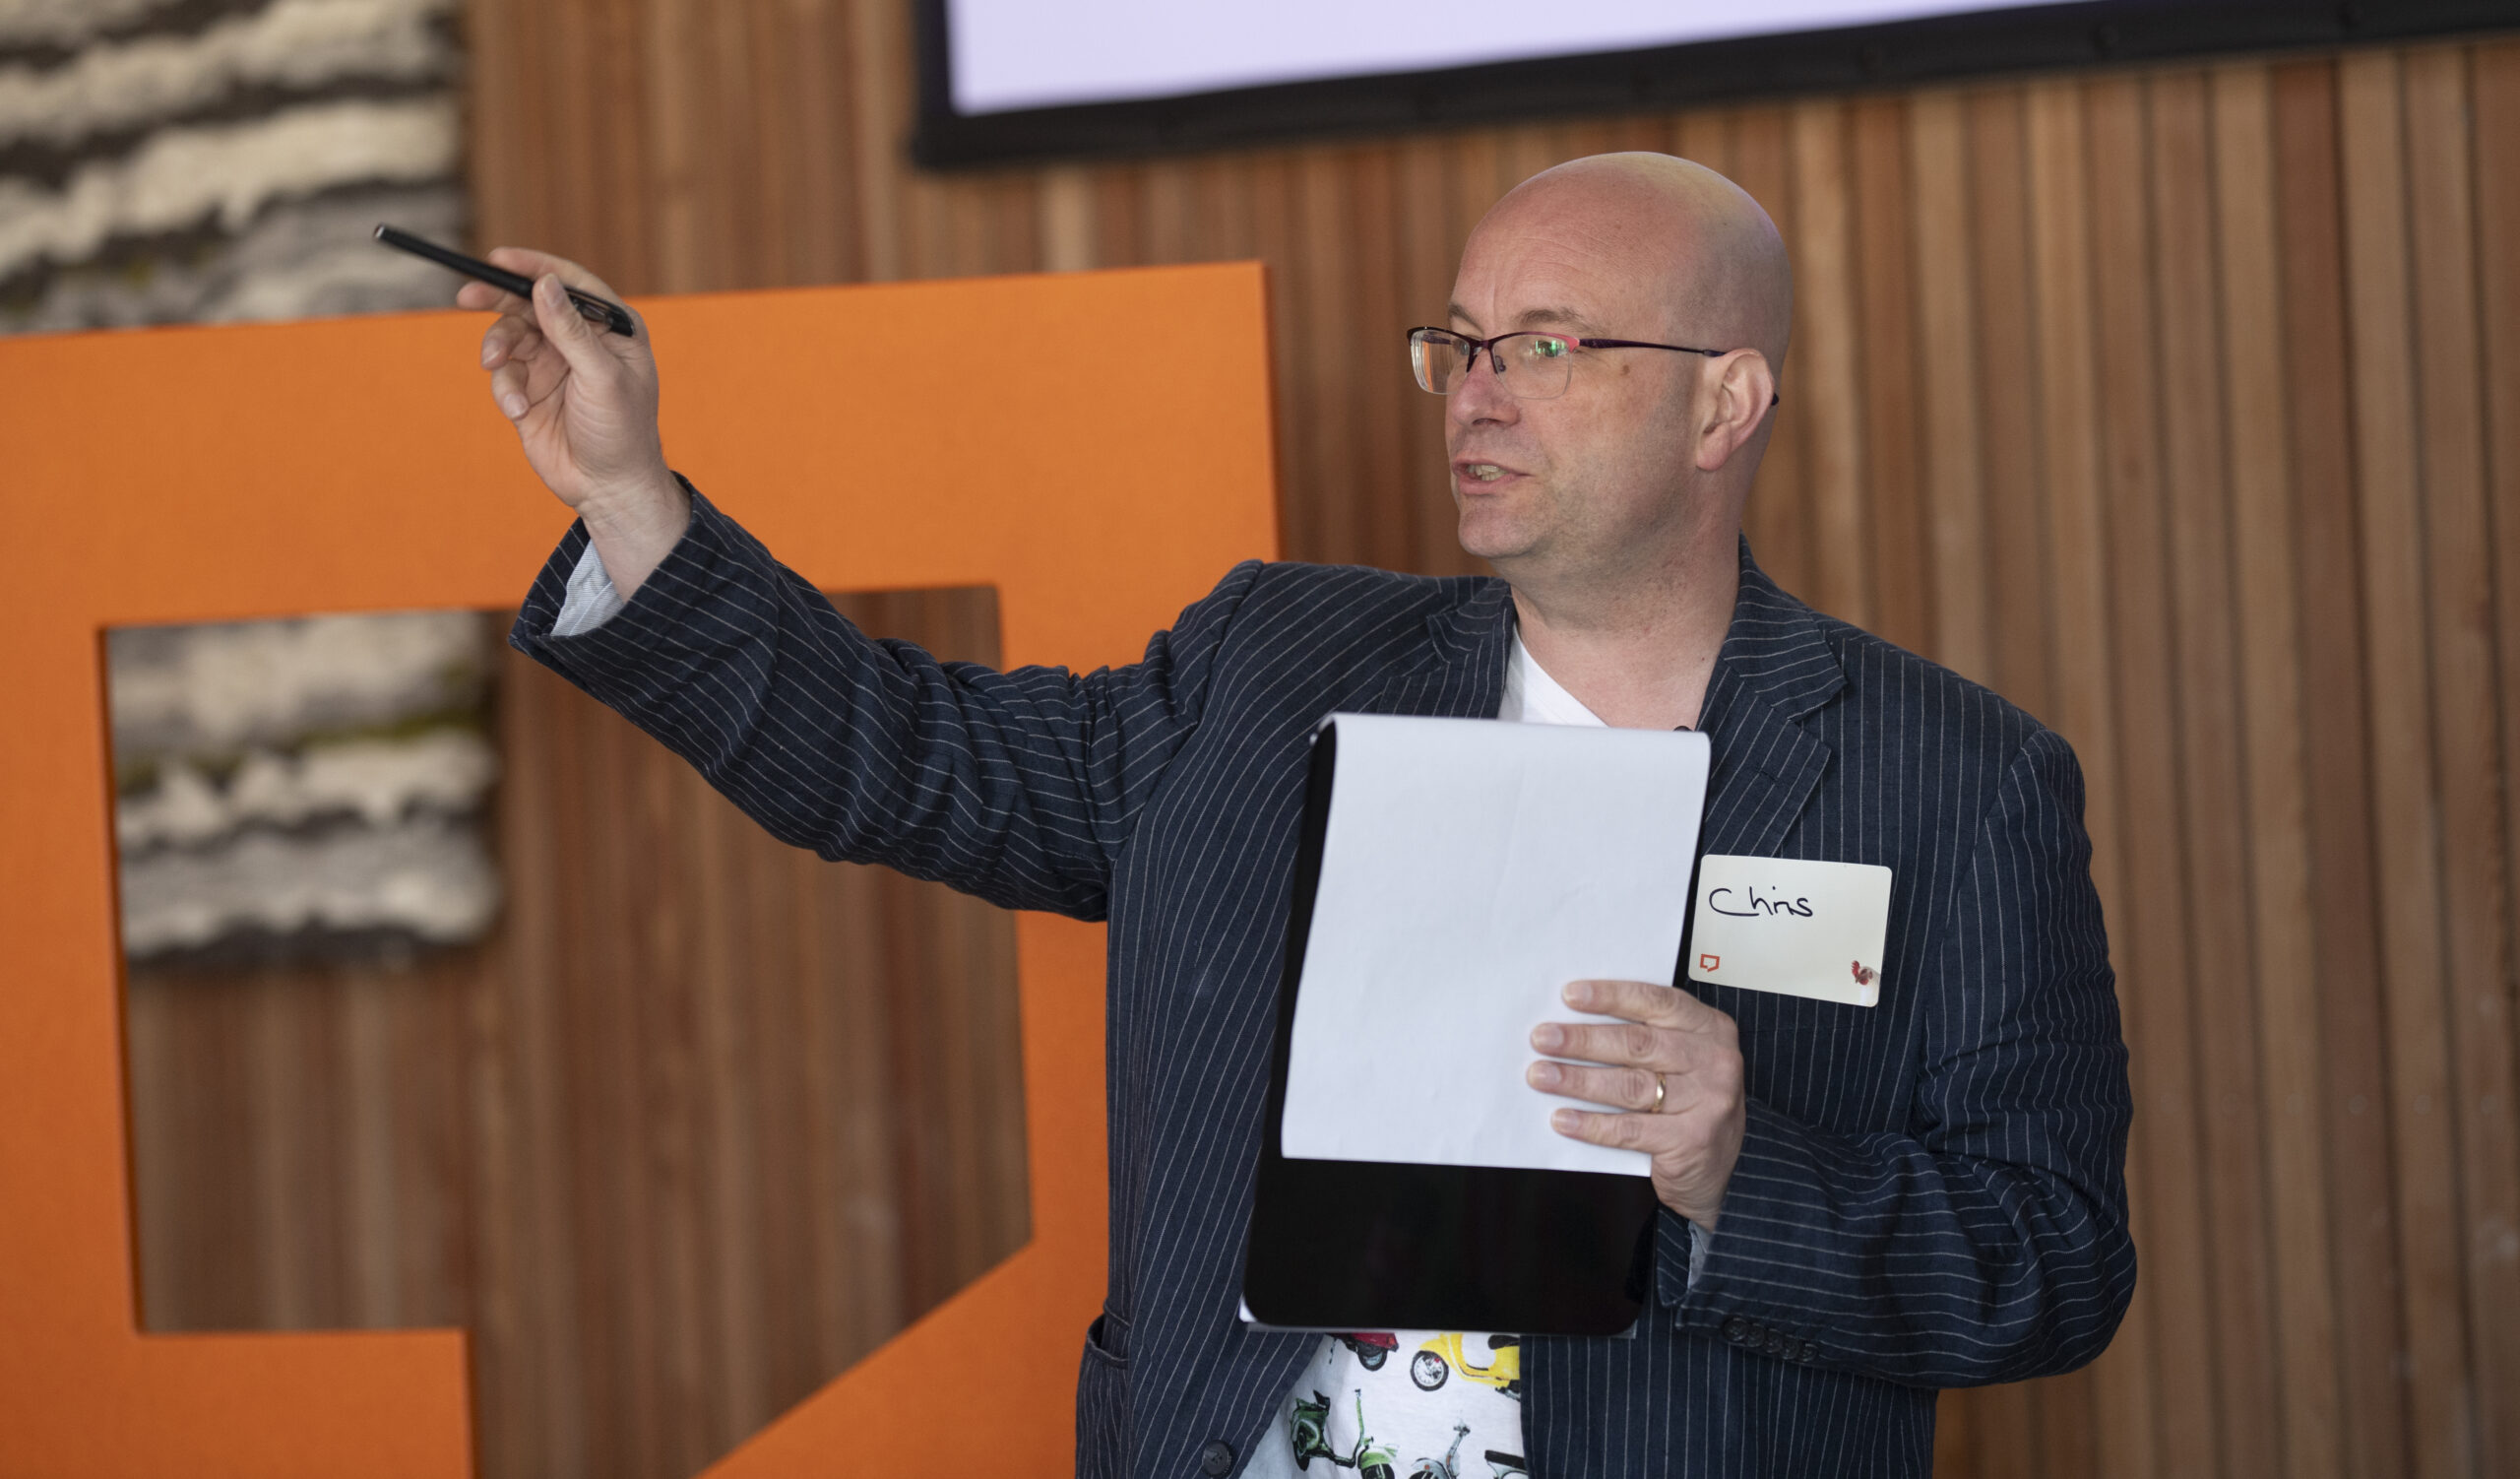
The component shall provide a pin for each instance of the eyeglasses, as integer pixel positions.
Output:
(1534, 366)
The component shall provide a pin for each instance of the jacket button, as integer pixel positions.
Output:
(1217, 1460)
(1736, 1329)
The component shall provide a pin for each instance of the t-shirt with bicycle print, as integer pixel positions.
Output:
(1403, 1404)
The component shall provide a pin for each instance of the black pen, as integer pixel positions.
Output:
(590, 307)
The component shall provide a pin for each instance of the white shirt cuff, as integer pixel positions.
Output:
(592, 601)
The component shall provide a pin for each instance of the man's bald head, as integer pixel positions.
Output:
(1618, 467)
(1697, 241)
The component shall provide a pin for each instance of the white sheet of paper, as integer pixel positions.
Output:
(1786, 925)
(1470, 871)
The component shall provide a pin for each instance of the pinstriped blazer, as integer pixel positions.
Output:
(1931, 1193)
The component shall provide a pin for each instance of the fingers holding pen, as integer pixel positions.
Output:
(546, 305)
(511, 389)
(512, 349)
(509, 338)
(522, 324)
(529, 262)
(482, 297)
(488, 297)
(581, 397)
(533, 266)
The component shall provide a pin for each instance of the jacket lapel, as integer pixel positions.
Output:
(1460, 670)
(1775, 667)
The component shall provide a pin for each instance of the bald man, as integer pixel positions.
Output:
(1860, 1205)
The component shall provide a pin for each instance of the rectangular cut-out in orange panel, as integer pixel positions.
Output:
(1095, 446)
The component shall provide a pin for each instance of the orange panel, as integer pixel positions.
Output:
(1038, 434)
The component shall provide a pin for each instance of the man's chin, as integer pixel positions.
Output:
(1493, 540)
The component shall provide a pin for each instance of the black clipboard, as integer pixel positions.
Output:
(1381, 1246)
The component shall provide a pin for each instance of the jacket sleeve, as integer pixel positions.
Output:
(1019, 786)
(1990, 1243)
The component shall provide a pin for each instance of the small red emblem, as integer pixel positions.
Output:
(1708, 962)
(1864, 975)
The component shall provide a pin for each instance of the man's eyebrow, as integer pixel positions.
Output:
(1536, 318)
(1557, 318)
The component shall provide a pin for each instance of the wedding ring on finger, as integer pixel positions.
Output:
(1658, 1095)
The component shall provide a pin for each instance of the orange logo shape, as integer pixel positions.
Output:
(198, 475)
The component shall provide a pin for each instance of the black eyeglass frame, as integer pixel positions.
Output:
(1469, 361)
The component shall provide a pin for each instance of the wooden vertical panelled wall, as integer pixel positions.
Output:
(2180, 405)
(704, 1121)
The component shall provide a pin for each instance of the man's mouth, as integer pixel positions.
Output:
(1483, 471)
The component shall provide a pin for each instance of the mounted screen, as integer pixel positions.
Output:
(1015, 79)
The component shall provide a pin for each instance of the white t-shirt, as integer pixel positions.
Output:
(1532, 696)
(1443, 1402)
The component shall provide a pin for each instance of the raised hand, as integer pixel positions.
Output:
(1674, 1063)
(583, 405)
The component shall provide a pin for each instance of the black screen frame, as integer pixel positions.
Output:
(2033, 39)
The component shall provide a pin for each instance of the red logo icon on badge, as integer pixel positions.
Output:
(1708, 962)
(1863, 976)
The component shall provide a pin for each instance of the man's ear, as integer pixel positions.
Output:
(1744, 393)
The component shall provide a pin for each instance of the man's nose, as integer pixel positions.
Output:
(1479, 395)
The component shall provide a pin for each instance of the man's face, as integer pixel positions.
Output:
(1596, 477)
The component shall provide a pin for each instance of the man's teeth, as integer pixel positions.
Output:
(1486, 472)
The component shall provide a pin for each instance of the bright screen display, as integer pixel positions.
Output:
(1008, 55)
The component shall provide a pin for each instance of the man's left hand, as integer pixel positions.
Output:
(1668, 1036)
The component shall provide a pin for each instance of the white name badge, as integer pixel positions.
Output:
(1784, 925)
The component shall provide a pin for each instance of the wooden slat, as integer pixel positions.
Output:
(2105, 1419)
(2345, 931)
(2389, 477)
(1779, 518)
(2022, 667)
(2440, 212)
(2256, 471)
(1371, 341)
(1824, 359)
(525, 1330)
(2490, 1012)
(1118, 223)
(2203, 665)
(1704, 135)
(2007, 1418)
(686, 225)
(1894, 528)
(2152, 924)
(879, 94)
(1427, 250)
(1168, 214)
(1068, 242)
(1943, 358)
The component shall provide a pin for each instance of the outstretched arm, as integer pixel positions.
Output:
(1019, 786)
